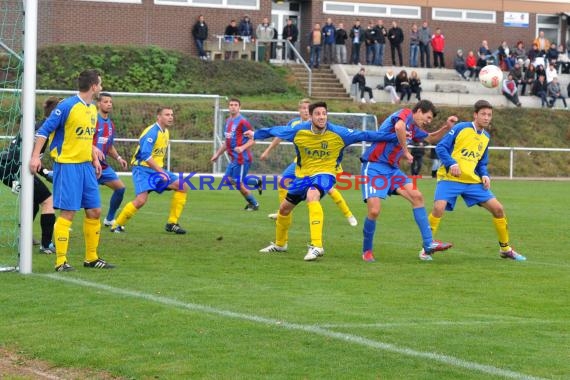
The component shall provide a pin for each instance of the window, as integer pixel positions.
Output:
(550, 25)
(371, 10)
(117, 1)
(463, 15)
(234, 4)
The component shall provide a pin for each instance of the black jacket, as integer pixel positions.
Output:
(200, 31)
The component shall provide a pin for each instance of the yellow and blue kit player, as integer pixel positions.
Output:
(464, 156)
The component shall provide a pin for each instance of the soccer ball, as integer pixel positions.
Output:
(490, 76)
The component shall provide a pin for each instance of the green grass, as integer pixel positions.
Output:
(208, 305)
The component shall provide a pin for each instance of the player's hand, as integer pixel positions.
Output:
(238, 149)
(264, 155)
(123, 163)
(451, 121)
(486, 182)
(97, 153)
(454, 170)
(408, 156)
(214, 158)
(35, 164)
(98, 169)
(248, 134)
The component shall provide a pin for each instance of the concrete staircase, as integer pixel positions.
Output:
(325, 84)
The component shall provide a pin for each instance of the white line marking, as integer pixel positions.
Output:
(444, 359)
(422, 324)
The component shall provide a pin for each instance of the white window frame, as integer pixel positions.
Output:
(116, 1)
(463, 17)
(548, 26)
(188, 3)
(356, 10)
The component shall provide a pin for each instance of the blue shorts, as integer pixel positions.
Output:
(289, 171)
(147, 179)
(297, 190)
(237, 172)
(108, 175)
(472, 193)
(381, 180)
(75, 187)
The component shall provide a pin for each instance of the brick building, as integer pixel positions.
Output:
(168, 23)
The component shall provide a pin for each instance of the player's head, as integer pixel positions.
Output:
(104, 103)
(318, 113)
(423, 113)
(164, 116)
(304, 109)
(50, 104)
(89, 81)
(482, 114)
(234, 106)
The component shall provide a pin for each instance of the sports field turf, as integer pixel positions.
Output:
(208, 305)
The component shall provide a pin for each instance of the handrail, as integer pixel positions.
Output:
(289, 45)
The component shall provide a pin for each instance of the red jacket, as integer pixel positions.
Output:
(470, 61)
(438, 42)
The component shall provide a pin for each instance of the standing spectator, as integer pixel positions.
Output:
(554, 92)
(264, 33)
(438, 46)
(539, 89)
(291, 34)
(396, 37)
(542, 43)
(274, 43)
(315, 45)
(230, 37)
(340, 37)
(435, 162)
(200, 34)
(356, 36)
(360, 80)
(529, 78)
(328, 41)
(425, 43)
(459, 64)
(381, 34)
(416, 84)
(471, 64)
(510, 90)
(403, 85)
(417, 153)
(75, 169)
(414, 46)
(390, 86)
(370, 43)
(246, 29)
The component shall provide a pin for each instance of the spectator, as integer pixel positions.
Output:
(356, 36)
(200, 34)
(459, 64)
(390, 86)
(563, 62)
(435, 162)
(274, 43)
(542, 43)
(552, 54)
(340, 37)
(485, 54)
(481, 62)
(518, 76)
(551, 73)
(540, 71)
(403, 85)
(529, 78)
(418, 153)
(438, 45)
(396, 37)
(503, 52)
(360, 80)
(425, 43)
(519, 51)
(539, 89)
(264, 33)
(471, 64)
(414, 45)
(291, 34)
(533, 53)
(230, 36)
(511, 60)
(554, 92)
(328, 41)
(370, 43)
(381, 34)
(315, 44)
(416, 85)
(510, 90)
(246, 29)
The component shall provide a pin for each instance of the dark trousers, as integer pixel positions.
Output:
(424, 55)
(438, 59)
(393, 49)
(355, 56)
(366, 89)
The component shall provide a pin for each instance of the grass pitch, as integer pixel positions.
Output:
(208, 305)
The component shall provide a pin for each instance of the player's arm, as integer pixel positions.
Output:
(481, 169)
(113, 153)
(444, 149)
(283, 132)
(401, 134)
(244, 126)
(218, 153)
(50, 125)
(276, 141)
(434, 137)
(153, 165)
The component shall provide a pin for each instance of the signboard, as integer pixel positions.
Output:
(516, 19)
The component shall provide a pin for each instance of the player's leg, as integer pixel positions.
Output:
(144, 180)
(285, 180)
(339, 200)
(44, 200)
(282, 224)
(316, 219)
(373, 205)
(445, 197)
(177, 206)
(110, 179)
(501, 226)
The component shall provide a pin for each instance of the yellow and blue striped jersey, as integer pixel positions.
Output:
(466, 146)
(153, 143)
(70, 129)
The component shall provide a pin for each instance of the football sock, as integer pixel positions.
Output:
(251, 199)
(316, 217)
(115, 203)
(91, 234)
(282, 229)
(46, 222)
(128, 212)
(433, 223)
(61, 240)
(368, 232)
(176, 206)
(340, 202)
(503, 233)
(420, 215)
(282, 194)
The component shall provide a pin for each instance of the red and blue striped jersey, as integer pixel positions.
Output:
(233, 132)
(388, 151)
(104, 136)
